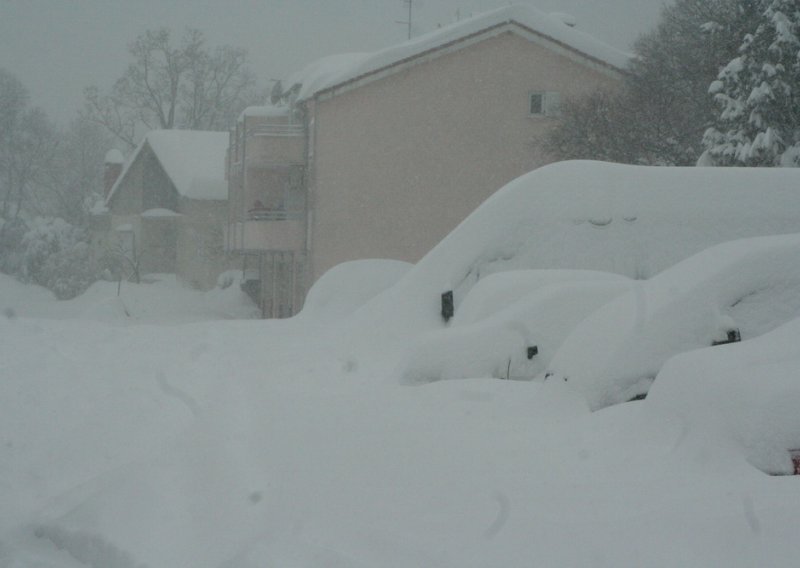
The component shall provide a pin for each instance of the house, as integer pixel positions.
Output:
(380, 155)
(166, 208)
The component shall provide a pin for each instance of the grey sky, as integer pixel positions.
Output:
(58, 47)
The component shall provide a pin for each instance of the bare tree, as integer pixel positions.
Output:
(167, 86)
(74, 180)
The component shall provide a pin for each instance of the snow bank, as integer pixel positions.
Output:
(749, 285)
(244, 444)
(258, 443)
(160, 212)
(162, 300)
(349, 285)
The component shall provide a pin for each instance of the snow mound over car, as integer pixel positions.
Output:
(349, 285)
(510, 325)
(743, 396)
(732, 291)
(631, 220)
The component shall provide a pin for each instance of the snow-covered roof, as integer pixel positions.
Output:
(265, 111)
(337, 69)
(99, 208)
(114, 156)
(193, 159)
(160, 212)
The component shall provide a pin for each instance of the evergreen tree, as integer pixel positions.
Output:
(759, 94)
(663, 109)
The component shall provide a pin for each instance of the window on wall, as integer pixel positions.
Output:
(544, 103)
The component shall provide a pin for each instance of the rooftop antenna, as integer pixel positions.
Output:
(407, 22)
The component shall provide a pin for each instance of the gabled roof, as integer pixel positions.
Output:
(551, 29)
(194, 160)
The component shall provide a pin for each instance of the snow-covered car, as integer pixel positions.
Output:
(510, 325)
(349, 285)
(631, 220)
(742, 400)
(733, 291)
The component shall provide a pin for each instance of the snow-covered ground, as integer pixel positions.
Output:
(163, 428)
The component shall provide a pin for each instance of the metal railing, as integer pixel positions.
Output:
(276, 130)
(274, 215)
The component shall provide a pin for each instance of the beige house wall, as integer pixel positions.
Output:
(399, 162)
(200, 254)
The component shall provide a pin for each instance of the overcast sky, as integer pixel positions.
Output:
(58, 47)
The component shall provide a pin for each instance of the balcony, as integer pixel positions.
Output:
(276, 129)
(263, 230)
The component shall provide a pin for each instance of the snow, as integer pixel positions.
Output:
(160, 300)
(504, 315)
(742, 396)
(265, 111)
(750, 285)
(99, 208)
(348, 286)
(160, 212)
(193, 159)
(151, 429)
(114, 156)
(335, 70)
(634, 221)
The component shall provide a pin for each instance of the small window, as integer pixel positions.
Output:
(544, 103)
(537, 103)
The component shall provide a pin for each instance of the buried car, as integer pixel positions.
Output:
(730, 292)
(510, 325)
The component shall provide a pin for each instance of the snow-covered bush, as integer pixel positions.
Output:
(56, 255)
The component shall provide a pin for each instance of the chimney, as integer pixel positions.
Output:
(113, 167)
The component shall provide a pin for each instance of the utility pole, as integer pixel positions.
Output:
(407, 22)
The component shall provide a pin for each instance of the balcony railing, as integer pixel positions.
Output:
(286, 232)
(274, 215)
(276, 130)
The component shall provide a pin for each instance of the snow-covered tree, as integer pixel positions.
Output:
(660, 114)
(758, 92)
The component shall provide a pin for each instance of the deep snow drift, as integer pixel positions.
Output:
(145, 430)
(630, 220)
(258, 444)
